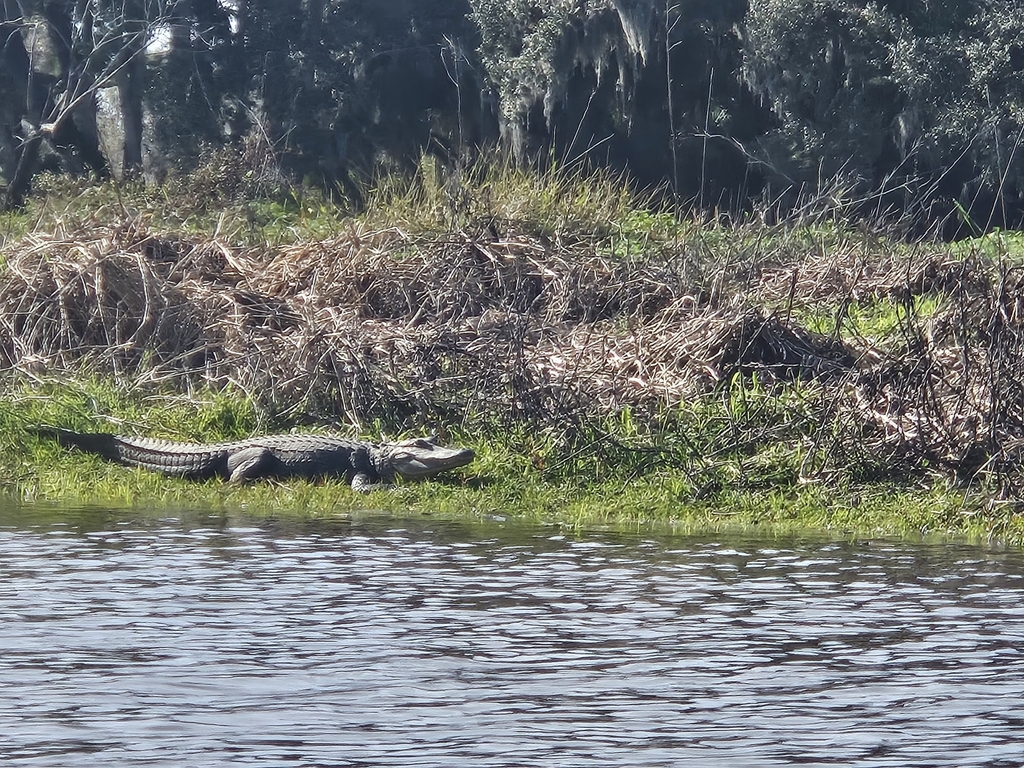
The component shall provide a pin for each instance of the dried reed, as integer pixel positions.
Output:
(381, 324)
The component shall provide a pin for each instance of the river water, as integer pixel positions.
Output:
(199, 640)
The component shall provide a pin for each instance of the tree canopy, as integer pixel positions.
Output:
(905, 106)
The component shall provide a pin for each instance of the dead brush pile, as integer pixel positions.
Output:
(381, 324)
(375, 320)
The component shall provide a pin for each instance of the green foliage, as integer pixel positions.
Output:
(827, 68)
(894, 95)
(518, 44)
(98, 402)
(539, 55)
(219, 198)
(868, 107)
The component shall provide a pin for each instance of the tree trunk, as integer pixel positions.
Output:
(12, 47)
(180, 22)
(17, 69)
(130, 84)
(14, 195)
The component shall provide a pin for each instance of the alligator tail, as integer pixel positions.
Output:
(101, 443)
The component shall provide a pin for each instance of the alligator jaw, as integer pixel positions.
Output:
(423, 457)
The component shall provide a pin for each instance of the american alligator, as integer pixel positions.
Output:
(365, 465)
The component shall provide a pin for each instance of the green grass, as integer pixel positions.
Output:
(521, 475)
(881, 321)
(72, 205)
(998, 244)
(560, 202)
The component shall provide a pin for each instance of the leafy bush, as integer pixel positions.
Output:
(928, 102)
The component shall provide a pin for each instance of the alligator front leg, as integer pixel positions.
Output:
(363, 483)
(365, 477)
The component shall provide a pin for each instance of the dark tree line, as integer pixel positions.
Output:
(901, 104)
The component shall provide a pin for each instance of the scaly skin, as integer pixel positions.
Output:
(364, 465)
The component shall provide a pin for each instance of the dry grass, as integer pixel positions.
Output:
(382, 324)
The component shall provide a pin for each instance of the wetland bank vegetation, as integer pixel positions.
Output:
(813, 320)
(607, 358)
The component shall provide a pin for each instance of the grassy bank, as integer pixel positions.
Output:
(608, 360)
(522, 475)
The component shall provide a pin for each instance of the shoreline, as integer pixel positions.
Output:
(604, 358)
(502, 482)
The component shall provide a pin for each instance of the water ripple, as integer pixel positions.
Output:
(365, 643)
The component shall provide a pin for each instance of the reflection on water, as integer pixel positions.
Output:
(200, 641)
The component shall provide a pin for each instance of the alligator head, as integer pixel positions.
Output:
(424, 456)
